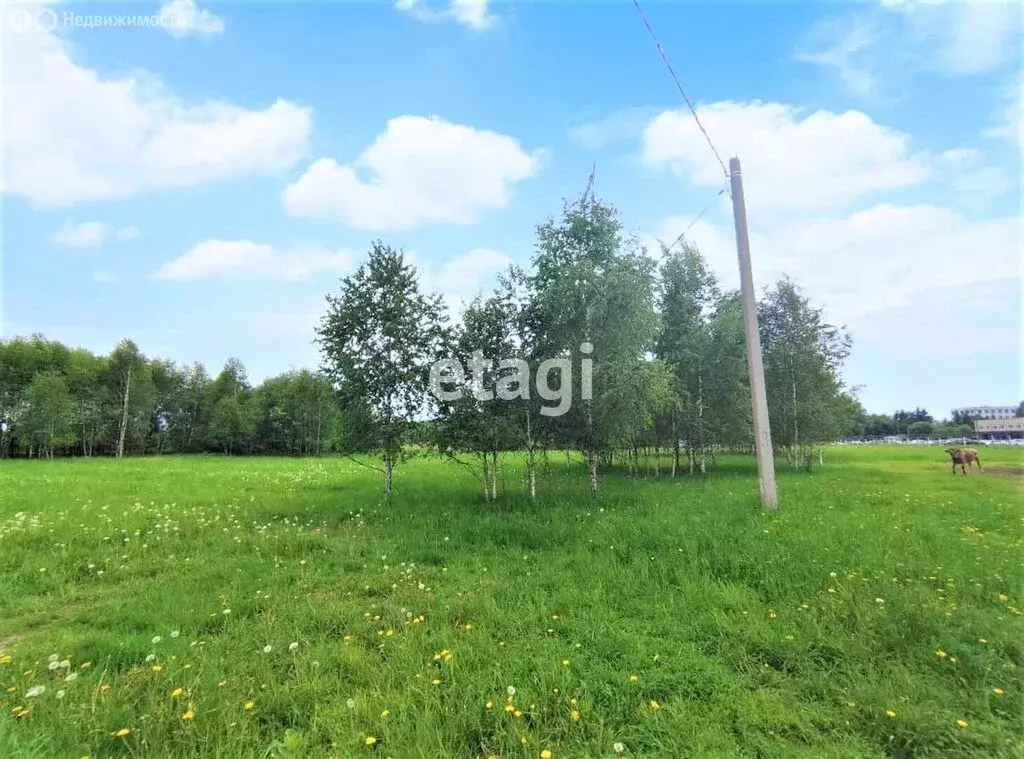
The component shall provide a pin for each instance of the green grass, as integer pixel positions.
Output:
(784, 635)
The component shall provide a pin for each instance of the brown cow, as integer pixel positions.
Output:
(964, 456)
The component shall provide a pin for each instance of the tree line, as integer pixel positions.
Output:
(917, 424)
(60, 401)
(627, 358)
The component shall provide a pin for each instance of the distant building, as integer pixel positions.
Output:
(987, 412)
(1000, 428)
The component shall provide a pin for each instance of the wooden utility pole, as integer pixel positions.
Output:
(755, 364)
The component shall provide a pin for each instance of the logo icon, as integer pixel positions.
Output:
(20, 20)
(46, 20)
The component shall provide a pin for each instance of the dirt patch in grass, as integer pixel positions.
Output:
(1012, 471)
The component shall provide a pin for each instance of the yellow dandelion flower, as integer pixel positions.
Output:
(85, 665)
(655, 705)
(634, 678)
(489, 705)
(510, 707)
(384, 714)
(998, 691)
(517, 714)
(1002, 597)
(104, 687)
(469, 625)
(177, 692)
(771, 615)
(158, 668)
(565, 662)
(370, 740)
(122, 732)
(961, 723)
(248, 705)
(575, 715)
(5, 659)
(982, 641)
(545, 754)
(222, 683)
(572, 701)
(188, 715)
(435, 682)
(890, 713)
(941, 654)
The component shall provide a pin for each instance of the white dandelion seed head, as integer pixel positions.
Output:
(60, 694)
(292, 646)
(511, 690)
(351, 703)
(53, 666)
(226, 611)
(267, 648)
(71, 677)
(35, 690)
(175, 633)
(151, 657)
(879, 600)
(618, 748)
(66, 664)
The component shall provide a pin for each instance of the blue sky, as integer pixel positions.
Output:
(199, 185)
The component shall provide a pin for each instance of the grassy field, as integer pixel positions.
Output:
(230, 607)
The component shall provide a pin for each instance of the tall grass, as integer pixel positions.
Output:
(875, 614)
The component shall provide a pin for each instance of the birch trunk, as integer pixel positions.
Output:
(124, 415)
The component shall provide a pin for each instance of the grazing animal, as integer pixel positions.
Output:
(964, 456)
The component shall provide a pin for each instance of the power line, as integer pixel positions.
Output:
(679, 86)
(697, 218)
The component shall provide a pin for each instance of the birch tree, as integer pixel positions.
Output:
(379, 337)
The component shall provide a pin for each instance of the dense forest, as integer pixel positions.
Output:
(662, 342)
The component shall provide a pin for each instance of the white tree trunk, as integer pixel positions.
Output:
(124, 415)
(592, 471)
(387, 475)
(531, 473)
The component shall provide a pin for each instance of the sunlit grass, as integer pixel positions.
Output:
(235, 607)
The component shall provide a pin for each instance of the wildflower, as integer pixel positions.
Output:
(961, 723)
(121, 733)
(941, 654)
(53, 658)
(177, 692)
(226, 612)
(545, 754)
(565, 662)
(248, 705)
(156, 639)
(982, 641)
(158, 667)
(267, 648)
(175, 633)
(517, 713)
(998, 691)
(435, 681)
(618, 748)
(35, 690)
(150, 657)
(634, 678)
(5, 659)
(384, 714)
(655, 705)
(71, 677)
(511, 690)
(53, 666)
(489, 705)
(189, 714)
(1002, 597)
(370, 740)
(60, 694)
(293, 646)
(85, 665)
(879, 600)
(351, 704)
(575, 715)
(890, 713)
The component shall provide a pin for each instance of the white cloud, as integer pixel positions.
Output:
(1006, 123)
(880, 49)
(458, 280)
(472, 13)
(877, 258)
(791, 159)
(238, 258)
(620, 126)
(182, 18)
(124, 234)
(72, 135)
(87, 234)
(420, 170)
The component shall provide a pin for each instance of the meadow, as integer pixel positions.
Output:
(272, 607)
